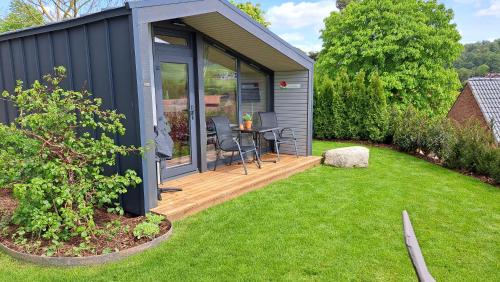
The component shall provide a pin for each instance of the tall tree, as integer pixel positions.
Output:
(56, 10)
(479, 58)
(411, 43)
(253, 10)
(21, 15)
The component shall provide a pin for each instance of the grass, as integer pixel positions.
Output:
(322, 224)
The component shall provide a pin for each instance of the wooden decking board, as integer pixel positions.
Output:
(204, 190)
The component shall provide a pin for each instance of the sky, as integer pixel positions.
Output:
(300, 22)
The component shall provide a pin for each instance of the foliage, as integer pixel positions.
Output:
(57, 10)
(247, 117)
(347, 108)
(468, 147)
(253, 10)
(411, 43)
(478, 58)
(55, 153)
(21, 15)
(149, 228)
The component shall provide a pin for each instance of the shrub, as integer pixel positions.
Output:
(471, 149)
(375, 119)
(54, 154)
(468, 147)
(350, 108)
(410, 130)
(149, 228)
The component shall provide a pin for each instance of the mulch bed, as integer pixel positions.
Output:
(116, 235)
(483, 178)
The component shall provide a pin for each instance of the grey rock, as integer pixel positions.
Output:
(355, 156)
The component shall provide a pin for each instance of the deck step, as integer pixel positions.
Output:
(202, 191)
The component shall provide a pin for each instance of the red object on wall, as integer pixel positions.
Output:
(283, 84)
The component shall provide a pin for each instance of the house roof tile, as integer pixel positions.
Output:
(486, 91)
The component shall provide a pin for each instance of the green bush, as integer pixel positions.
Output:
(149, 228)
(53, 157)
(469, 147)
(410, 130)
(350, 107)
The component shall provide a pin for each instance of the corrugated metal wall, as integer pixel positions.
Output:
(98, 55)
(291, 107)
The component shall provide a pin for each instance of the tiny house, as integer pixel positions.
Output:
(185, 59)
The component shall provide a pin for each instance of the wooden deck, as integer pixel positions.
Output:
(204, 190)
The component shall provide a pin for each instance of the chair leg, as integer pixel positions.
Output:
(296, 151)
(276, 146)
(243, 162)
(232, 156)
(259, 165)
(217, 159)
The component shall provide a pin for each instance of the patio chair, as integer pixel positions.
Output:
(280, 136)
(226, 142)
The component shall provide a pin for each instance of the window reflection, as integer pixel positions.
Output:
(220, 84)
(254, 91)
(171, 40)
(220, 91)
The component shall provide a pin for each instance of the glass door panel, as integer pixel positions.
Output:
(176, 108)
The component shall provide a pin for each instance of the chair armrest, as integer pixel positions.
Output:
(287, 129)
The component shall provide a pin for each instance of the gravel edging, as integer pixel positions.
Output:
(91, 260)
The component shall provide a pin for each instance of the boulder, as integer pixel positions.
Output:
(355, 156)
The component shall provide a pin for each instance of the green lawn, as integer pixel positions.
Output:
(323, 224)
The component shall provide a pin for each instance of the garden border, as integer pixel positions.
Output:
(90, 260)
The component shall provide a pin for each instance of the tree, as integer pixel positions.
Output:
(411, 43)
(341, 4)
(478, 59)
(253, 10)
(313, 55)
(21, 15)
(57, 10)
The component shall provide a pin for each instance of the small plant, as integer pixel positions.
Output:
(149, 228)
(106, 251)
(247, 117)
(80, 250)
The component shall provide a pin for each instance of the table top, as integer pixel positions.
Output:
(256, 129)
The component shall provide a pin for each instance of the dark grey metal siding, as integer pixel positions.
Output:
(98, 55)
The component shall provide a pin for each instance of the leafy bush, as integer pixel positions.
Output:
(149, 228)
(410, 130)
(468, 147)
(350, 108)
(53, 157)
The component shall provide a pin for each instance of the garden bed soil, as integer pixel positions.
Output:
(115, 233)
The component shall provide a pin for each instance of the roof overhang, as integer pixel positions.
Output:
(220, 20)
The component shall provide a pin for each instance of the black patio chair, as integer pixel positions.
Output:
(280, 136)
(226, 142)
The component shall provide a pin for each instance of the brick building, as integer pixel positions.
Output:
(480, 99)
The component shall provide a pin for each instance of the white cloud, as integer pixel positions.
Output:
(300, 15)
(308, 47)
(292, 36)
(492, 10)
